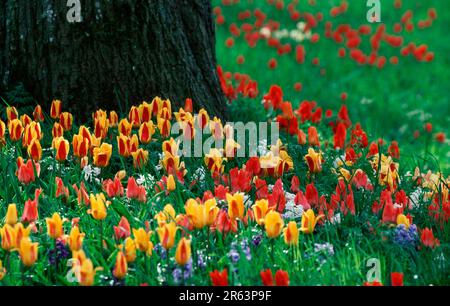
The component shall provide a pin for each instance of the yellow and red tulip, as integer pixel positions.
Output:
(98, 206)
(80, 146)
(309, 221)
(121, 266)
(113, 119)
(38, 114)
(57, 130)
(235, 206)
(260, 210)
(62, 148)
(102, 155)
(314, 161)
(35, 150)
(11, 113)
(66, 121)
(291, 234)
(55, 109)
(140, 158)
(55, 226)
(125, 127)
(15, 129)
(146, 132)
(142, 240)
(183, 252)
(167, 234)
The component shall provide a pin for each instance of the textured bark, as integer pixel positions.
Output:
(122, 53)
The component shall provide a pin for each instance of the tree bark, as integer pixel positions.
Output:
(122, 53)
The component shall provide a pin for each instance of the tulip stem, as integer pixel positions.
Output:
(272, 250)
(101, 237)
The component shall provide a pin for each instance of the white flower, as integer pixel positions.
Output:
(91, 173)
(293, 211)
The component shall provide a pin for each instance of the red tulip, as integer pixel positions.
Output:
(219, 278)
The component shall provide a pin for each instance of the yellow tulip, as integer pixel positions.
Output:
(167, 215)
(140, 158)
(102, 155)
(8, 235)
(260, 210)
(20, 233)
(55, 226)
(11, 215)
(130, 249)
(291, 233)
(236, 205)
(314, 161)
(34, 150)
(87, 273)
(75, 239)
(402, 219)
(142, 240)
(167, 234)
(183, 253)
(28, 252)
(2, 271)
(273, 224)
(121, 267)
(171, 185)
(201, 215)
(309, 221)
(98, 206)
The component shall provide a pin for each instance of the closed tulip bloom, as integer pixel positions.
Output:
(30, 212)
(314, 161)
(121, 267)
(35, 150)
(145, 112)
(309, 221)
(164, 127)
(2, 129)
(55, 226)
(11, 113)
(101, 126)
(171, 185)
(55, 109)
(183, 253)
(113, 119)
(25, 119)
(80, 146)
(75, 239)
(130, 250)
(2, 271)
(291, 234)
(38, 114)
(142, 240)
(125, 127)
(260, 210)
(62, 148)
(87, 273)
(57, 130)
(8, 235)
(123, 145)
(235, 205)
(102, 155)
(31, 131)
(313, 137)
(167, 215)
(28, 252)
(66, 121)
(11, 215)
(146, 132)
(98, 206)
(21, 232)
(166, 235)
(201, 215)
(15, 129)
(273, 224)
(133, 117)
(140, 158)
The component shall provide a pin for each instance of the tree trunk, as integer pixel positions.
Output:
(121, 53)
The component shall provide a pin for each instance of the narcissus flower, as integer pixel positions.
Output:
(309, 221)
(98, 206)
(55, 109)
(121, 266)
(236, 205)
(62, 148)
(142, 240)
(314, 161)
(167, 234)
(28, 252)
(273, 223)
(183, 253)
(11, 215)
(291, 234)
(75, 239)
(55, 226)
(102, 155)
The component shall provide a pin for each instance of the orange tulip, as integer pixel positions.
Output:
(121, 267)
(62, 148)
(55, 109)
(35, 150)
(15, 129)
(235, 205)
(66, 121)
(183, 253)
(167, 234)
(291, 234)
(37, 114)
(75, 239)
(8, 235)
(102, 155)
(31, 131)
(55, 226)
(260, 210)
